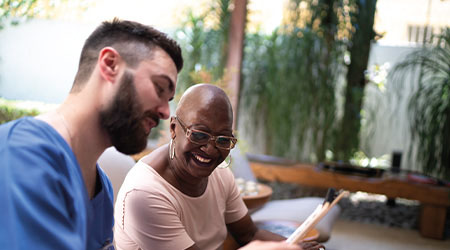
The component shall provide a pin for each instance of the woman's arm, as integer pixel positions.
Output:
(270, 245)
(245, 231)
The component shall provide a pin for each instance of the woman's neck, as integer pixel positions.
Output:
(193, 187)
(160, 161)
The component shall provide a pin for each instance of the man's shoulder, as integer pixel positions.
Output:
(9, 128)
(29, 144)
(27, 130)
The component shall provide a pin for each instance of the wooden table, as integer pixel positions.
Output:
(256, 201)
(434, 199)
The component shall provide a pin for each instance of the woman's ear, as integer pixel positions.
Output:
(109, 61)
(172, 127)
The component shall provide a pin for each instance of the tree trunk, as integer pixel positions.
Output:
(235, 54)
(348, 135)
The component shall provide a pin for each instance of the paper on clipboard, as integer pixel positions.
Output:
(316, 215)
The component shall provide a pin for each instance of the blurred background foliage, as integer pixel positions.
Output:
(204, 39)
(11, 110)
(429, 105)
(302, 85)
(292, 79)
(16, 11)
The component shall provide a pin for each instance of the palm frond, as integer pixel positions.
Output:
(429, 105)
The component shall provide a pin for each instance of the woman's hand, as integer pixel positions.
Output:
(282, 245)
(270, 245)
(311, 245)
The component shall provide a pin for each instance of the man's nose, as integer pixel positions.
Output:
(164, 110)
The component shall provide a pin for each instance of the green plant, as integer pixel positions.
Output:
(13, 11)
(16, 11)
(11, 110)
(290, 79)
(204, 39)
(429, 105)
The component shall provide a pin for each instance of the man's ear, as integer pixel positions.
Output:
(109, 60)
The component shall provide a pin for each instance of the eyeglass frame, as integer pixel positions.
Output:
(188, 132)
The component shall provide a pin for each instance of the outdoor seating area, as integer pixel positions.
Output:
(294, 210)
(434, 199)
(328, 116)
(285, 215)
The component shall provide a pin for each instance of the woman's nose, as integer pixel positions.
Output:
(210, 147)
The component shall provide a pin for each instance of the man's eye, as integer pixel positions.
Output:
(159, 89)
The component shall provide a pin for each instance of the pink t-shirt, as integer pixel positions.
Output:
(152, 214)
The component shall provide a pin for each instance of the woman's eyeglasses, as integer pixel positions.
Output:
(202, 138)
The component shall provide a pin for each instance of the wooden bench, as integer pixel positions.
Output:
(434, 199)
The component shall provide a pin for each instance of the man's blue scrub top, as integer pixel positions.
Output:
(43, 200)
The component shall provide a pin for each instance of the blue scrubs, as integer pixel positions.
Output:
(43, 200)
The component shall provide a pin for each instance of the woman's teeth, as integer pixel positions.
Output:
(201, 159)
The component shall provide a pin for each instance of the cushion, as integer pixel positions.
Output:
(240, 165)
(298, 210)
(116, 166)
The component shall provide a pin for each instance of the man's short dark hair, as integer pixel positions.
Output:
(133, 41)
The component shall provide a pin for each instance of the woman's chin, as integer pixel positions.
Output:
(202, 169)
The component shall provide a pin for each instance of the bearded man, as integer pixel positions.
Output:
(53, 194)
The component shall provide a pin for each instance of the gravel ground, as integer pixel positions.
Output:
(362, 207)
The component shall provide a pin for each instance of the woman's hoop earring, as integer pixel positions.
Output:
(225, 164)
(172, 149)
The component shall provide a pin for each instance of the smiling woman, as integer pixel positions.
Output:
(178, 197)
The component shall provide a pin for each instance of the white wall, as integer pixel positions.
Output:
(388, 128)
(39, 59)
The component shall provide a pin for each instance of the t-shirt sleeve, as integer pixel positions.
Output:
(37, 206)
(151, 221)
(235, 207)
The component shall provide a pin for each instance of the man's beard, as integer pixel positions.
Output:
(122, 120)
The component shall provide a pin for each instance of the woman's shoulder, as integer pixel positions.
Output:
(224, 173)
(157, 159)
(143, 177)
(222, 177)
(144, 185)
(140, 177)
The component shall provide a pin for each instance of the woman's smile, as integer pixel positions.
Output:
(202, 161)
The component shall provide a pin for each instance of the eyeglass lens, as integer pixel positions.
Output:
(200, 137)
(203, 138)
